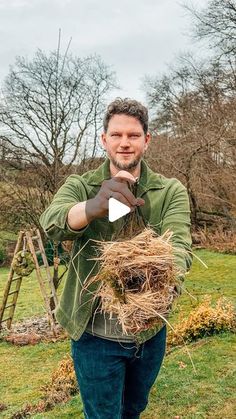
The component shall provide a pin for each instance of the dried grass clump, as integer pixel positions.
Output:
(205, 320)
(138, 279)
(63, 382)
(219, 240)
(21, 339)
(63, 385)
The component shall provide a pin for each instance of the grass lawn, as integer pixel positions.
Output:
(30, 301)
(179, 392)
(6, 236)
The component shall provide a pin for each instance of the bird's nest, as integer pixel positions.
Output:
(138, 279)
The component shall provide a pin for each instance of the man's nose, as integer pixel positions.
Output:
(125, 142)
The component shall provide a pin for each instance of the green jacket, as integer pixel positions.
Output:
(166, 207)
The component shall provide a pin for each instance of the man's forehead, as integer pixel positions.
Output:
(122, 121)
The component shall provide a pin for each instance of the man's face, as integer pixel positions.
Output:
(125, 142)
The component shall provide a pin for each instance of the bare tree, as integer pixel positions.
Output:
(194, 123)
(195, 135)
(50, 113)
(217, 23)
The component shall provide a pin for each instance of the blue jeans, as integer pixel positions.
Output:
(115, 378)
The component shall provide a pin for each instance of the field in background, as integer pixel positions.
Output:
(178, 392)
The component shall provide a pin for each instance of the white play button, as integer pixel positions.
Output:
(116, 209)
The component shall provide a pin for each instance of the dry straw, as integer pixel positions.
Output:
(137, 279)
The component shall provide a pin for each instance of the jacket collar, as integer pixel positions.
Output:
(148, 178)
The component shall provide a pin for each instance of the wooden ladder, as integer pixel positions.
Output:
(33, 241)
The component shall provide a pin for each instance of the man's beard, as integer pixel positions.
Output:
(125, 166)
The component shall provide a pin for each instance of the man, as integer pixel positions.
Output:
(115, 372)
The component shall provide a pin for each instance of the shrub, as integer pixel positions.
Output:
(63, 382)
(205, 320)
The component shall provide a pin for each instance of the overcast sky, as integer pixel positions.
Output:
(135, 37)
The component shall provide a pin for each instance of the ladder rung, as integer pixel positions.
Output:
(9, 305)
(35, 246)
(13, 292)
(15, 279)
(4, 320)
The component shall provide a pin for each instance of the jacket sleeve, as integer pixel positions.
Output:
(176, 218)
(54, 218)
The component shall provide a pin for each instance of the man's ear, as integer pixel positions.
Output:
(147, 140)
(103, 140)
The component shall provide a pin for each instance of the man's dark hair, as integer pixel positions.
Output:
(128, 107)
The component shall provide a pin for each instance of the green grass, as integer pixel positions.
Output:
(5, 237)
(25, 370)
(72, 409)
(217, 280)
(30, 300)
(208, 393)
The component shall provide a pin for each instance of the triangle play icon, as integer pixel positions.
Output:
(116, 209)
